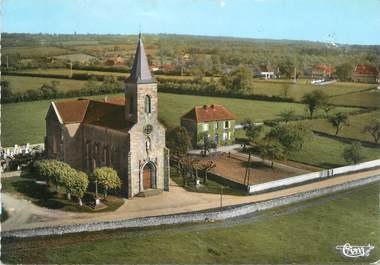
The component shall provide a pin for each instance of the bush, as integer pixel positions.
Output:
(107, 178)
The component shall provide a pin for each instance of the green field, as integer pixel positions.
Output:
(327, 153)
(286, 235)
(23, 83)
(367, 99)
(340, 90)
(25, 121)
(37, 51)
(354, 129)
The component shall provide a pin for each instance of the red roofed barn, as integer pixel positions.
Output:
(214, 123)
(122, 133)
(365, 74)
(321, 71)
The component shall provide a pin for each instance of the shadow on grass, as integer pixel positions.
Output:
(255, 164)
(210, 187)
(329, 165)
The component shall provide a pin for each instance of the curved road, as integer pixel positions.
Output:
(24, 214)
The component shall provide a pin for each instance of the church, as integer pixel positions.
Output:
(121, 133)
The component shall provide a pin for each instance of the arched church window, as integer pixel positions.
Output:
(148, 106)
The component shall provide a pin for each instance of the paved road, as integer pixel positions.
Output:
(24, 214)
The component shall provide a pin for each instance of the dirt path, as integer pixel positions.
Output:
(24, 214)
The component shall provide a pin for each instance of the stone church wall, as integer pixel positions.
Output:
(53, 135)
(72, 145)
(117, 144)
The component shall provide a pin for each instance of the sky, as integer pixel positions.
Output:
(340, 21)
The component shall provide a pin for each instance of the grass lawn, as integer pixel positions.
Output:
(25, 121)
(327, 153)
(324, 152)
(26, 187)
(363, 99)
(23, 83)
(308, 235)
(353, 130)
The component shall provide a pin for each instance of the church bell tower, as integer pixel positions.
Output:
(140, 90)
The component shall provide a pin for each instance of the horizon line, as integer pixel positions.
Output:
(194, 35)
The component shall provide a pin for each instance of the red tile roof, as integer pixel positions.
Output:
(72, 111)
(265, 68)
(364, 69)
(209, 113)
(108, 113)
(323, 68)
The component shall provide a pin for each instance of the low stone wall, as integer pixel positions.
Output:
(215, 214)
(309, 177)
(226, 182)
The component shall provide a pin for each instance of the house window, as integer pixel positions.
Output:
(104, 154)
(226, 124)
(148, 105)
(204, 127)
(224, 136)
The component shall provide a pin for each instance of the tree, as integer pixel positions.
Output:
(338, 120)
(52, 171)
(344, 71)
(107, 178)
(373, 128)
(291, 137)
(6, 90)
(80, 185)
(287, 68)
(178, 141)
(314, 100)
(287, 115)
(206, 166)
(271, 150)
(254, 133)
(239, 80)
(76, 183)
(353, 153)
(68, 179)
(285, 90)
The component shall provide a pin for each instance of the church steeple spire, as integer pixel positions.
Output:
(140, 72)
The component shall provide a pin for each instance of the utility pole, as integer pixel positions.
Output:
(7, 62)
(248, 170)
(295, 75)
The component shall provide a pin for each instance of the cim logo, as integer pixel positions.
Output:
(355, 251)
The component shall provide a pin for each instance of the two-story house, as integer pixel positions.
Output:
(214, 123)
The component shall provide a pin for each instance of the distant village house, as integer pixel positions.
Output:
(321, 71)
(116, 61)
(265, 72)
(365, 74)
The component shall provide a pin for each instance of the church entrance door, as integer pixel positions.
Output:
(147, 176)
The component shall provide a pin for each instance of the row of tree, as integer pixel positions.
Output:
(74, 182)
(53, 90)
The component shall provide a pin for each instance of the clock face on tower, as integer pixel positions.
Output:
(148, 129)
